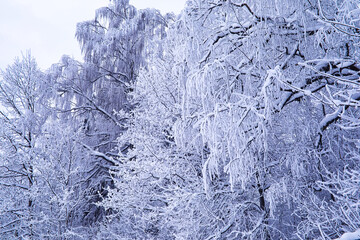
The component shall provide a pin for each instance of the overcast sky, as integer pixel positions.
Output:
(47, 27)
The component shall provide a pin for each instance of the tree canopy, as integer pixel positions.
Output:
(233, 120)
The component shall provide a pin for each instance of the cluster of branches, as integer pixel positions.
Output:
(233, 120)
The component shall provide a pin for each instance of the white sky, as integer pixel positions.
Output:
(47, 27)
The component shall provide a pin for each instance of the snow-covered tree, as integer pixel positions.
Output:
(95, 93)
(244, 104)
(234, 120)
(22, 92)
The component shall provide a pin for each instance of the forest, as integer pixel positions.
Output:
(236, 119)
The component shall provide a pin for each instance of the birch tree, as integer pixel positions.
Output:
(250, 115)
(95, 92)
(21, 115)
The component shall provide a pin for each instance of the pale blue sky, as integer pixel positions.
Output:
(47, 27)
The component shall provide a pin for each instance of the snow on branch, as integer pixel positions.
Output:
(100, 155)
(350, 235)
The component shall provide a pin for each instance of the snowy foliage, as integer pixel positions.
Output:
(234, 120)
